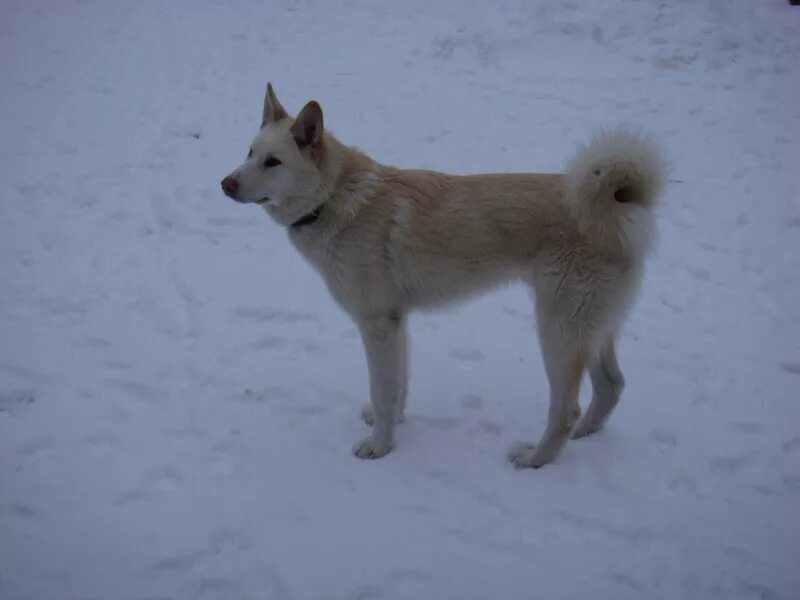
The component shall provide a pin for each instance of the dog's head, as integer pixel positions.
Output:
(282, 169)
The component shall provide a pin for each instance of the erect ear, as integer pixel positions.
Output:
(273, 111)
(307, 128)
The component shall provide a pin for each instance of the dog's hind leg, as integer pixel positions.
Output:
(607, 385)
(368, 411)
(381, 337)
(565, 361)
(402, 368)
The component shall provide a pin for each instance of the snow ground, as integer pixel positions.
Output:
(179, 395)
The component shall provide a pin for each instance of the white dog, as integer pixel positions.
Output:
(388, 240)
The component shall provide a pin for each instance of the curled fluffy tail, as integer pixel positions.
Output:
(613, 183)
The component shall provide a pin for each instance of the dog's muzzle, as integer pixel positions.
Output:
(229, 187)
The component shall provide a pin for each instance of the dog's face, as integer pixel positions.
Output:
(281, 172)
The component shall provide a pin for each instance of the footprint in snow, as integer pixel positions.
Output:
(664, 437)
(16, 401)
(467, 355)
(217, 588)
(729, 464)
(472, 402)
(493, 429)
(791, 367)
(269, 343)
(699, 273)
(98, 343)
(302, 410)
(161, 480)
(19, 511)
(181, 562)
(746, 427)
(669, 303)
(264, 395)
(35, 447)
(627, 581)
(116, 365)
(140, 391)
(441, 423)
(227, 539)
(263, 315)
(100, 441)
(791, 445)
(791, 483)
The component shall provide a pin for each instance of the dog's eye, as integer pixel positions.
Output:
(271, 162)
(250, 154)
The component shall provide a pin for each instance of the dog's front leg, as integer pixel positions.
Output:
(381, 337)
(367, 411)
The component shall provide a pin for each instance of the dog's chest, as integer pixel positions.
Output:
(348, 270)
(312, 245)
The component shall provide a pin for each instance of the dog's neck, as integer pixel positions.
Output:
(352, 177)
(327, 155)
(347, 183)
(308, 219)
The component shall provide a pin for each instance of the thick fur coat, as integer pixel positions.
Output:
(387, 241)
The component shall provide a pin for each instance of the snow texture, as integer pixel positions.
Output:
(179, 395)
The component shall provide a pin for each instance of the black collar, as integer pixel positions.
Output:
(307, 219)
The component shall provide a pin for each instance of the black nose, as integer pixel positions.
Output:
(230, 186)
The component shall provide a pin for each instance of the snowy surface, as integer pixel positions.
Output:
(179, 395)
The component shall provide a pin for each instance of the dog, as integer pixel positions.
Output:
(387, 241)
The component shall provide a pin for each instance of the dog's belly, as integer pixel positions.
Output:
(435, 283)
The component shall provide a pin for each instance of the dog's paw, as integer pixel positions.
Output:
(368, 415)
(523, 456)
(371, 448)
